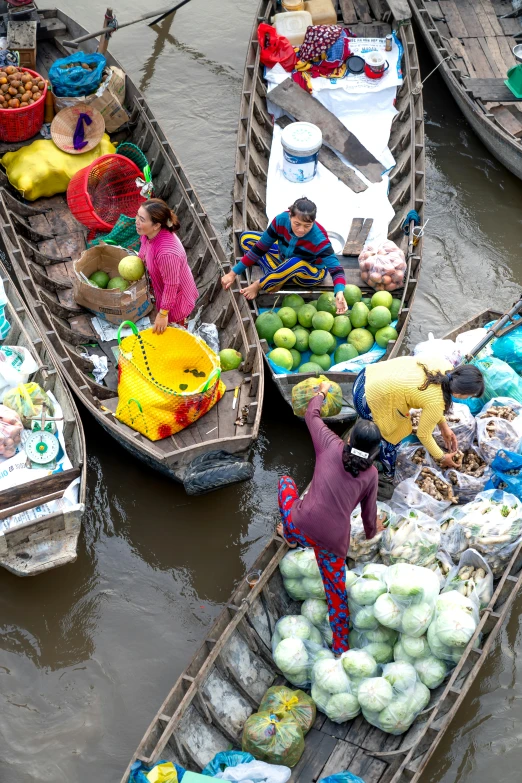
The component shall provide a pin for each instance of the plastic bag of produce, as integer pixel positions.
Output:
(411, 457)
(453, 539)
(507, 473)
(316, 610)
(500, 379)
(295, 658)
(297, 704)
(16, 366)
(144, 773)
(442, 349)
(342, 777)
(362, 595)
(427, 492)
(378, 643)
(383, 267)
(462, 422)
(412, 538)
(431, 671)
(301, 576)
(408, 605)
(404, 699)
(455, 621)
(499, 426)
(295, 626)
(472, 475)
(493, 526)
(10, 431)
(509, 349)
(303, 392)
(272, 739)
(27, 399)
(442, 566)
(256, 772)
(362, 549)
(335, 683)
(472, 577)
(226, 759)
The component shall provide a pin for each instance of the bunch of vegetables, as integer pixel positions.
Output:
(499, 426)
(383, 267)
(471, 475)
(301, 575)
(393, 701)
(316, 611)
(335, 683)
(296, 646)
(462, 422)
(410, 457)
(472, 577)
(455, 622)
(378, 643)
(412, 538)
(427, 491)
(363, 594)
(407, 605)
(363, 550)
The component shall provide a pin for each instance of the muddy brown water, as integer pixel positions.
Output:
(88, 652)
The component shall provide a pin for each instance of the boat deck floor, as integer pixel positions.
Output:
(482, 42)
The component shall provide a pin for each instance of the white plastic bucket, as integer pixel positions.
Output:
(301, 144)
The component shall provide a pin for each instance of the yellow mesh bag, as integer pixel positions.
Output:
(165, 381)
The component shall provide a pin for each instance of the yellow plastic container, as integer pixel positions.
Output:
(294, 5)
(322, 11)
(293, 25)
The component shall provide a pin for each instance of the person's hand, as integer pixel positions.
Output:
(381, 519)
(449, 437)
(340, 301)
(228, 279)
(448, 462)
(160, 324)
(324, 387)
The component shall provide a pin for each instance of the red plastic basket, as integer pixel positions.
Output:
(98, 194)
(21, 124)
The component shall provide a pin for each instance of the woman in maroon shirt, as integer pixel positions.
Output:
(344, 476)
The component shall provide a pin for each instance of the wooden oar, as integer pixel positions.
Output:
(157, 15)
(497, 330)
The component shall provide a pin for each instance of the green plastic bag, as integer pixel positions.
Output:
(303, 392)
(282, 701)
(272, 739)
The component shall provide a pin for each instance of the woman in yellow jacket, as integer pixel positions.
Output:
(387, 391)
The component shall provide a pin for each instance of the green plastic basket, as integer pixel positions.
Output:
(134, 153)
(123, 234)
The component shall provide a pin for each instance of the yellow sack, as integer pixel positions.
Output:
(165, 381)
(41, 169)
(163, 773)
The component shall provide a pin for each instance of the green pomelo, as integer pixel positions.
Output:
(384, 336)
(93, 284)
(394, 309)
(296, 357)
(131, 268)
(323, 360)
(344, 353)
(359, 315)
(367, 301)
(361, 339)
(301, 338)
(288, 316)
(305, 315)
(352, 294)
(230, 359)
(267, 325)
(321, 342)
(118, 282)
(310, 367)
(313, 302)
(326, 303)
(342, 326)
(379, 317)
(293, 300)
(323, 320)
(373, 329)
(284, 338)
(282, 357)
(382, 299)
(100, 278)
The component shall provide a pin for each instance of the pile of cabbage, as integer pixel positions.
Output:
(301, 575)
(296, 646)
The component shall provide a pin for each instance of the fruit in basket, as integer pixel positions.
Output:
(267, 325)
(131, 268)
(117, 282)
(19, 89)
(100, 278)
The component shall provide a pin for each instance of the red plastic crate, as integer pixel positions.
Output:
(20, 124)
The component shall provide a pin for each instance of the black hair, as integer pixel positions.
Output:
(304, 208)
(465, 379)
(365, 436)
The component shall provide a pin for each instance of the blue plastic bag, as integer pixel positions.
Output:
(499, 378)
(139, 771)
(76, 81)
(507, 473)
(342, 777)
(227, 758)
(509, 349)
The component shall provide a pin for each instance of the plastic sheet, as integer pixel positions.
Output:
(227, 758)
(272, 739)
(69, 78)
(507, 473)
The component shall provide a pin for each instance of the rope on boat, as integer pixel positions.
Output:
(418, 87)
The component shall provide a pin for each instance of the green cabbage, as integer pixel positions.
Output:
(351, 578)
(416, 583)
(289, 566)
(380, 651)
(294, 625)
(398, 716)
(377, 570)
(387, 612)
(440, 650)
(431, 671)
(455, 627)
(364, 619)
(415, 647)
(358, 663)
(399, 653)
(321, 655)
(375, 694)
(306, 563)
(416, 619)
(295, 589)
(366, 590)
(300, 677)
(401, 675)
(381, 634)
(313, 587)
(330, 676)
(342, 707)
(452, 599)
(420, 698)
(315, 610)
(319, 696)
(291, 656)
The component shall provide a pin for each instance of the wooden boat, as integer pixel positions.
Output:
(368, 19)
(472, 43)
(205, 711)
(48, 541)
(43, 240)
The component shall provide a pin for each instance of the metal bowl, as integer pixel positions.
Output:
(517, 51)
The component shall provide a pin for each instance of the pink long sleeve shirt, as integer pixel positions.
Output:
(324, 512)
(172, 281)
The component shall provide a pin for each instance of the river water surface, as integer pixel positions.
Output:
(89, 651)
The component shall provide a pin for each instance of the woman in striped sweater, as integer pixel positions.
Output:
(293, 248)
(164, 256)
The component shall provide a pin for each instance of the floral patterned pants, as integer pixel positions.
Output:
(332, 568)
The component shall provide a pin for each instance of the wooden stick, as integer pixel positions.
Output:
(104, 40)
(74, 44)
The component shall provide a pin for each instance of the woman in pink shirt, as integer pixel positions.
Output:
(164, 256)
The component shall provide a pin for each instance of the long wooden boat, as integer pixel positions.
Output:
(206, 709)
(374, 18)
(43, 241)
(49, 540)
(472, 43)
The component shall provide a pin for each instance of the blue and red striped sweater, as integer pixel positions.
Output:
(314, 247)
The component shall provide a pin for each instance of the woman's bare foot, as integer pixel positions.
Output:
(251, 291)
(280, 532)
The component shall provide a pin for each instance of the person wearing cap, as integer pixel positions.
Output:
(386, 392)
(294, 248)
(344, 477)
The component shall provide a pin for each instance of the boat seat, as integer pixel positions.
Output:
(489, 90)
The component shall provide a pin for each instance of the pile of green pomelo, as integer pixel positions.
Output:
(130, 269)
(300, 326)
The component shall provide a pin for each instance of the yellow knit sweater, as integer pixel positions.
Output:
(392, 390)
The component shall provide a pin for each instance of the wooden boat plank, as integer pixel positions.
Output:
(484, 19)
(227, 416)
(470, 19)
(318, 749)
(348, 11)
(506, 50)
(498, 70)
(357, 236)
(340, 759)
(508, 120)
(43, 486)
(490, 89)
(496, 54)
(453, 18)
(510, 26)
(489, 10)
(81, 324)
(433, 9)
(480, 63)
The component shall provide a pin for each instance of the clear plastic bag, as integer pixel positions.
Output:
(296, 646)
(301, 576)
(379, 643)
(283, 701)
(409, 602)
(405, 698)
(335, 683)
(27, 399)
(316, 610)
(472, 577)
(411, 457)
(272, 739)
(471, 478)
(453, 538)
(462, 422)
(10, 431)
(16, 366)
(412, 538)
(362, 595)
(442, 349)
(409, 495)
(454, 623)
(442, 566)
(494, 432)
(363, 550)
(383, 267)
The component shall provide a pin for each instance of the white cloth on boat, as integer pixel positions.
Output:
(100, 366)
(68, 502)
(256, 772)
(107, 331)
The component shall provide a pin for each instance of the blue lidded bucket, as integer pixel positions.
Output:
(301, 144)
